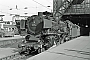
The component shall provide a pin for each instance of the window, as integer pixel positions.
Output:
(8, 22)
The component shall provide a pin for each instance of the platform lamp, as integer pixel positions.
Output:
(86, 24)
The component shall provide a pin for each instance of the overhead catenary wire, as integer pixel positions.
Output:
(41, 4)
(11, 13)
(21, 9)
(18, 9)
(10, 8)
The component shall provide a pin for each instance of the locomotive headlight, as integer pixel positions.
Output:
(22, 45)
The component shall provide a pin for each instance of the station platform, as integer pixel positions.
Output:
(76, 49)
(4, 52)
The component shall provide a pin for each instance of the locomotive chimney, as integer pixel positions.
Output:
(40, 13)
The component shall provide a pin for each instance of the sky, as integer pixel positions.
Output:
(33, 6)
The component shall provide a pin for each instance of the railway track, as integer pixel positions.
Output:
(21, 57)
(16, 56)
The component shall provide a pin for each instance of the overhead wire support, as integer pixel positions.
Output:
(60, 7)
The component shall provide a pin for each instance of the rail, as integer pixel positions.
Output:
(6, 41)
(15, 56)
(19, 58)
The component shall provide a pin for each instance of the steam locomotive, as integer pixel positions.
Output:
(38, 38)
